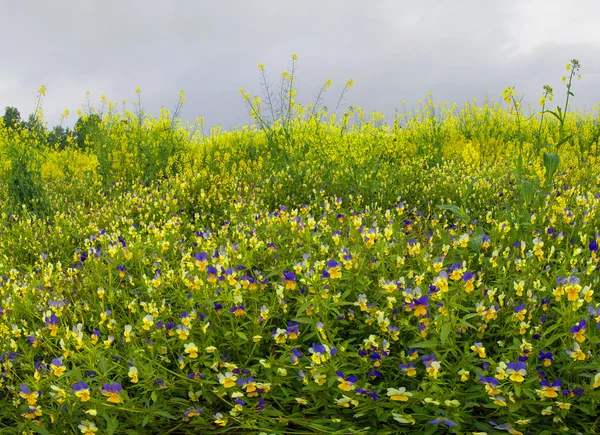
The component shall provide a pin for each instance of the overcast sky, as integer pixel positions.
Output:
(394, 51)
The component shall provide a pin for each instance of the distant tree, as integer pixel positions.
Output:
(86, 128)
(12, 117)
(59, 137)
(34, 125)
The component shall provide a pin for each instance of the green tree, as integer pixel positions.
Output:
(86, 128)
(12, 117)
(59, 135)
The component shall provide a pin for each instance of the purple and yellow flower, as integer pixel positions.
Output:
(491, 384)
(191, 413)
(293, 330)
(32, 412)
(546, 358)
(549, 391)
(320, 353)
(409, 369)
(432, 365)
(211, 273)
(81, 391)
(112, 392)
(345, 383)
(201, 260)
(420, 306)
(295, 356)
(516, 371)
(520, 311)
(52, 324)
(468, 280)
(573, 288)
(578, 330)
(57, 366)
(334, 269)
(27, 394)
(289, 279)
(238, 310)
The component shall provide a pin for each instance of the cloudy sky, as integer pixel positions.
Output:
(394, 50)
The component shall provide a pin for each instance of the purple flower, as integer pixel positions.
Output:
(200, 256)
(24, 389)
(295, 356)
(115, 387)
(491, 381)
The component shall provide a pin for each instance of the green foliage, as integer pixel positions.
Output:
(87, 130)
(60, 137)
(11, 118)
(25, 187)
(305, 275)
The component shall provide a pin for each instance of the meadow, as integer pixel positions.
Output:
(311, 273)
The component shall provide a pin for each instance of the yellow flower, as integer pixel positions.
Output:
(596, 381)
(320, 379)
(227, 380)
(479, 349)
(398, 394)
(148, 322)
(32, 413)
(87, 427)
(191, 349)
(346, 401)
(133, 375)
(60, 394)
(219, 420)
(83, 395)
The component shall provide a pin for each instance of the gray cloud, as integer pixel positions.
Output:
(393, 50)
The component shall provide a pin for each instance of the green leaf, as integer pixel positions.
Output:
(429, 344)
(112, 423)
(456, 211)
(102, 364)
(444, 333)
(146, 419)
(565, 139)
(557, 116)
(165, 414)
(39, 429)
(242, 335)
(305, 320)
(551, 162)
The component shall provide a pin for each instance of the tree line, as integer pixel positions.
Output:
(59, 136)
